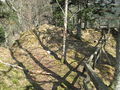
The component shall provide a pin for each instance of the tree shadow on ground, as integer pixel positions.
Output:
(56, 56)
(26, 72)
(83, 48)
(79, 46)
(60, 80)
(87, 51)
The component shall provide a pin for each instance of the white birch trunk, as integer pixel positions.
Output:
(65, 31)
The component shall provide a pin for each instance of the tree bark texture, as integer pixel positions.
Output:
(117, 73)
(65, 31)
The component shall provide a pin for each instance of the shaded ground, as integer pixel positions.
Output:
(38, 52)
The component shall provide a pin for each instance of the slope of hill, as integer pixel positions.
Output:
(39, 51)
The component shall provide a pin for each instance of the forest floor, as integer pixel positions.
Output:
(39, 53)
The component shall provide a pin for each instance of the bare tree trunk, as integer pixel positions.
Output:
(78, 35)
(65, 31)
(117, 76)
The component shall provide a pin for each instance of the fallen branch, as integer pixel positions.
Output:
(94, 78)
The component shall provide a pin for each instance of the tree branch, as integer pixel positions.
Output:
(11, 65)
(60, 7)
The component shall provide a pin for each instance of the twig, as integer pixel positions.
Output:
(74, 14)
(11, 65)
(60, 7)
(10, 5)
